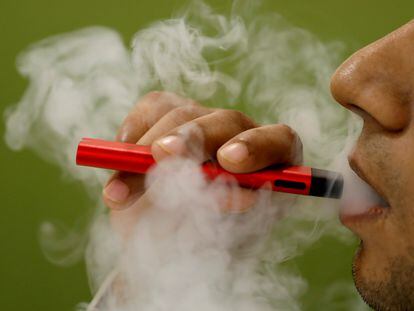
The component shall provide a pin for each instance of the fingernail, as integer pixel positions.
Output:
(235, 153)
(116, 191)
(172, 144)
(122, 136)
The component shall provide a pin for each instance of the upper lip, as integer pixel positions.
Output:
(356, 167)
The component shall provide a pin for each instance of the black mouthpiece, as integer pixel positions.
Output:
(326, 184)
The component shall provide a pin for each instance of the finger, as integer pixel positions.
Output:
(123, 221)
(260, 147)
(122, 189)
(238, 200)
(171, 120)
(201, 138)
(151, 108)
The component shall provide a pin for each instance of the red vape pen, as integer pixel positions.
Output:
(138, 159)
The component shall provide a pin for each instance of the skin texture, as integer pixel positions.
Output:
(377, 82)
(173, 125)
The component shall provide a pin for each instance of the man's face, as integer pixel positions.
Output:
(377, 83)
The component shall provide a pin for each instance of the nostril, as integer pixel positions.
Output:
(380, 120)
(358, 111)
(374, 98)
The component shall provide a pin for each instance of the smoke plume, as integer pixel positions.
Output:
(184, 253)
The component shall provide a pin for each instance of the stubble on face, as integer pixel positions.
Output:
(393, 293)
(385, 277)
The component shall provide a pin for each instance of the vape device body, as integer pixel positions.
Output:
(134, 158)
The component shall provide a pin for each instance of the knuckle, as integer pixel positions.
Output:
(164, 99)
(294, 142)
(150, 99)
(132, 120)
(288, 131)
(230, 114)
(153, 95)
(183, 114)
(235, 116)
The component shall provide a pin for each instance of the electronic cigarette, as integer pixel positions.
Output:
(134, 158)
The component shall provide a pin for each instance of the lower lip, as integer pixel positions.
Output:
(371, 214)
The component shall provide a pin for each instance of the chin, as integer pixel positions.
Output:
(387, 286)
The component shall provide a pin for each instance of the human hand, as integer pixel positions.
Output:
(173, 125)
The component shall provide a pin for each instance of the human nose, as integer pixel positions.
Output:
(377, 81)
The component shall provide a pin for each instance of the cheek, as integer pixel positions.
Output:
(401, 174)
(392, 160)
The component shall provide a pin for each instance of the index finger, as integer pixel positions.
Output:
(147, 112)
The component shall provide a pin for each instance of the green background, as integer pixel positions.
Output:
(32, 190)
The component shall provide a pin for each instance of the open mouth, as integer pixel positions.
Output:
(362, 199)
